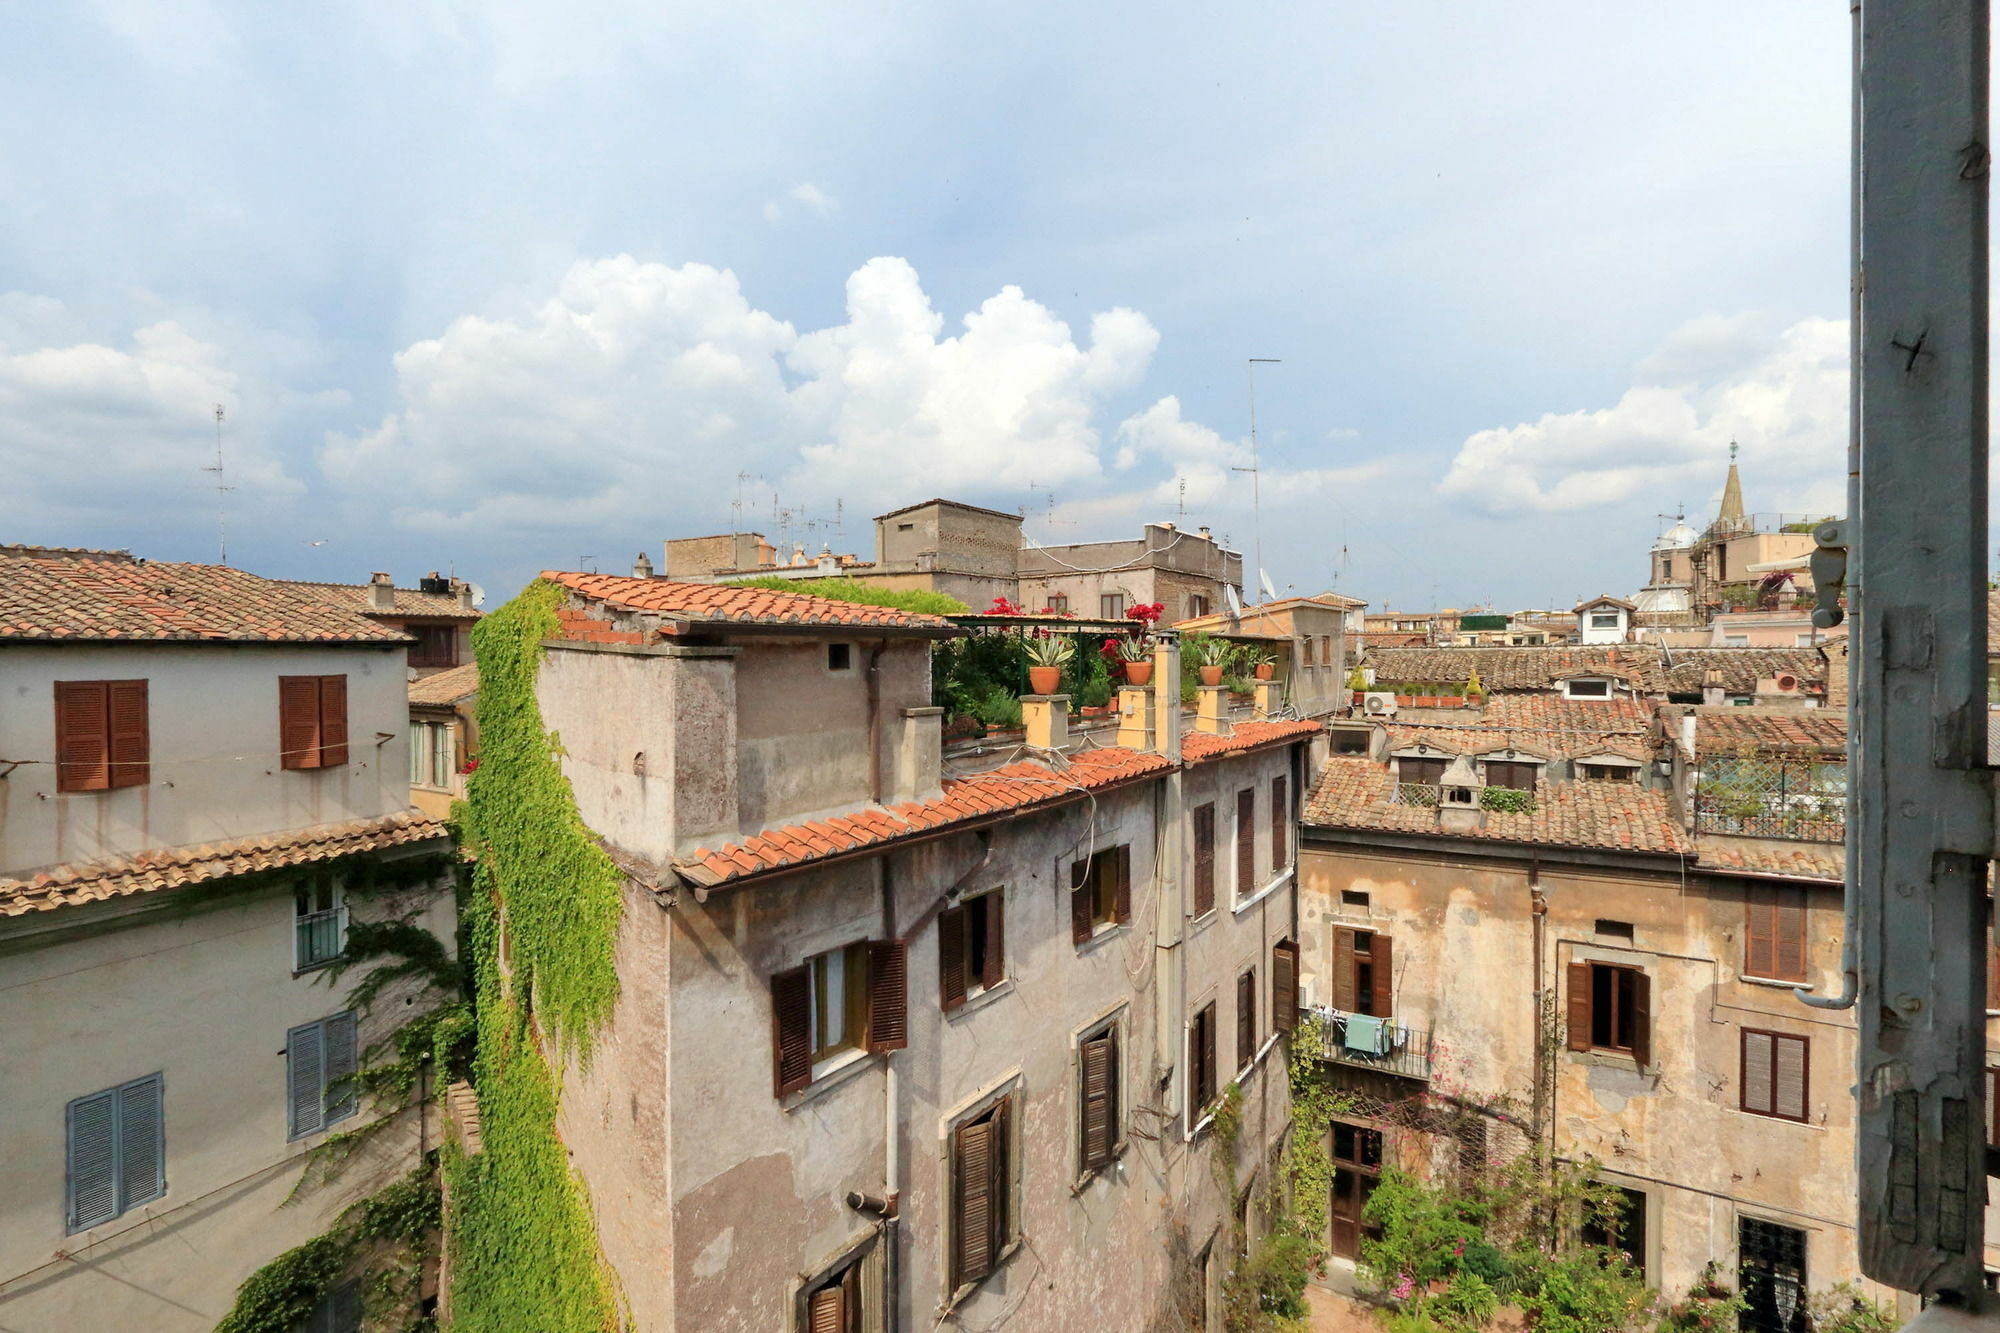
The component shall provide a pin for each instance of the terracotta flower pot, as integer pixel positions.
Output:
(1266, 670)
(1044, 679)
(1210, 675)
(1138, 673)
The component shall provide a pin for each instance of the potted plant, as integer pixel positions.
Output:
(1047, 656)
(1263, 663)
(1211, 656)
(1137, 654)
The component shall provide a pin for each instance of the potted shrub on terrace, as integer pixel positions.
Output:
(1137, 654)
(1263, 663)
(1046, 658)
(1210, 658)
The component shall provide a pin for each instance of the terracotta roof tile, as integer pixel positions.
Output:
(1764, 856)
(1645, 667)
(1199, 745)
(1724, 730)
(445, 688)
(414, 602)
(1016, 786)
(1544, 725)
(179, 867)
(734, 604)
(74, 595)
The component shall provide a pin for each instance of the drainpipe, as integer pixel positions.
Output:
(891, 1120)
(1169, 981)
(875, 723)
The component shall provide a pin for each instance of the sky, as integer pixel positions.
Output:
(491, 287)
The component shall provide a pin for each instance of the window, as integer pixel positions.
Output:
(1204, 858)
(1284, 986)
(1771, 1276)
(1100, 892)
(971, 949)
(1111, 606)
(852, 998)
(431, 747)
(1610, 773)
(1736, 641)
(1617, 930)
(1246, 1018)
(1197, 605)
(319, 1073)
(906, 527)
(1774, 932)
(1363, 967)
(1587, 689)
(1429, 772)
(1775, 1074)
(1099, 1130)
(1246, 842)
(1201, 1061)
(1604, 620)
(839, 656)
(1355, 900)
(117, 1151)
(339, 1311)
(835, 1305)
(1610, 1009)
(1505, 773)
(1350, 742)
(101, 735)
(1357, 1165)
(1281, 827)
(1059, 603)
(312, 721)
(981, 1193)
(319, 921)
(435, 646)
(1623, 1231)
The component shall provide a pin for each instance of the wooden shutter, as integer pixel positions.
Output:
(83, 735)
(305, 1074)
(93, 1160)
(828, 1312)
(1382, 976)
(1789, 948)
(1281, 839)
(972, 1190)
(1642, 1019)
(951, 958)
(888, 995)
(999, 1186)
(1204, 858)
(298, 721)
(1121, 904)
(142, 1174)
(332, 721)
(1284, 986)
(1345, 997)
(1100, 1099)
(1578, 1006)
(1760, 935)
(791, 1030)
(1208, 1053)
(1246, 1018)
(1080, 891)
(129, 745)
(995, 908)
(1791, 1056)
(1756, 1073)
(1246, 841)
(342, 1096)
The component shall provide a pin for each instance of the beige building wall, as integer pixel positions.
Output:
(944, 536)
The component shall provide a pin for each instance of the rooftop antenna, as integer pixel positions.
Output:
(736, 505)
(221, 492)
(1183, 500)
(1256, 501)
(1049, 518)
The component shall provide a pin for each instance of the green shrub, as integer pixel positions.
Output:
(1843, 1309)
(914, 600)
(1579, 1292)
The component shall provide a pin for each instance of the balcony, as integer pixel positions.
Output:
(1803, 800)
(1384, 1045)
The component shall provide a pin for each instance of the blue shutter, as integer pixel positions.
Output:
(93, 1159)
(305, 1077)
(342, 1097)
(142, 1173)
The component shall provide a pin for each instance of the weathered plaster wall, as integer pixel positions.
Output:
(618, 716)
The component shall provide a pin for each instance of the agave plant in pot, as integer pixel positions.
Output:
(1047, 656)
(1137, 654)
(1211, 658)
(1263, 663)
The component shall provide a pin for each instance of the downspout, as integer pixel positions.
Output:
(875, 725)
(1169, 983)
(892, 1209)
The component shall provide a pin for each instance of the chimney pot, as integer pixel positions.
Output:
(642, 568)
(381, 592)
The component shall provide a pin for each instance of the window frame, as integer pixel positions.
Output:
(1100, 893)
(1105, 1028)
(1348, 958)
(1112, 606)
(1776, 1039)
(321, 752)
(330, 1113)
(1247, 882)
(335, 892)
(1203, 1086)
(1581, 1009)
(103, 768)
(959, 985)
(799, 1059)
(1768, 955)
(425, 633)
(122, 1202)
(1003, 1185)
(1511, 769)
(1248, 1032)
(1281, 825)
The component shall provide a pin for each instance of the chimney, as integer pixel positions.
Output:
(381, 593)
(918, 767)
(642, 568)
(1203, 530)
(1167, 696)
(1712, 693)
(828, 562)
(463, 590)
(1047, 719)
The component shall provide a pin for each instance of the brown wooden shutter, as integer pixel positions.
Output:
(996, 939)
(829, 1311)
(1760, 942)
(1789, 947)
(951, 958)
(1791, 1055)
(1993, 1105)
(1578, 1006)
(1642, 1019)
(1080, 893)
(332, 721)
(1246, 1018)
(298, 721)
(972, 1203)
(1284, 986)
(791, 1029)
(999, 1185)
(130, 744)
(1382, 974)
(1281, 840)
(1121, 906)
(1755, 1093)
(1246, 841)
(83, 735)
(1208, 1053)
(1345, 996)
(1099, 1054)
(1204, 859)
(888, 995)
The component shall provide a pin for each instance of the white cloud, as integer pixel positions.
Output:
(1783, 396)
(804, 197)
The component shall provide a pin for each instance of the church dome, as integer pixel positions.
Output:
(1677, 538)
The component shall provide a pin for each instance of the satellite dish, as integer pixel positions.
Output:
(478, 593)
(1264, 579)
(1235, 602)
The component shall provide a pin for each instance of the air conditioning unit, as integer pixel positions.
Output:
(1379, 703)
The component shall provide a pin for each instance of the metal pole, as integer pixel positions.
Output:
(1920, 813)
(1256, 580)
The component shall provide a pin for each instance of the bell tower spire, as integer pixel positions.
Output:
(1731, 515)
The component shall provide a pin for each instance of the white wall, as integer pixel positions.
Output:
(215, 771)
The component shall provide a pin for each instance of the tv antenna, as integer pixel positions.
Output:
(736, 505)
(1256, 500)
(1048, 506)
(1182, 509)
(221, 492)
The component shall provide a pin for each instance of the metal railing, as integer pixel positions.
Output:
(321, 936)
(1801, 800)
(1374, 1043)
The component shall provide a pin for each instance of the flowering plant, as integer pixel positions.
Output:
(1150, 612)
(1002, 607)
(1135, 649)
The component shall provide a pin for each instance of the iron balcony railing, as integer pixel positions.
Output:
(1772, 797)
(1374, 1043)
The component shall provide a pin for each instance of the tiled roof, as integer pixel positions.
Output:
(1016, 786)
(406, 602)
(955, 504)
(181, 867)
(1727, 730)
(446, 687)
(1199, 745)
(1517, 668)
(53, 595)
(734, 604)
(1993, 624)
(1603, 599)
(1741, 668)
(1761, 856)
(1355, 792)
(1540, 724)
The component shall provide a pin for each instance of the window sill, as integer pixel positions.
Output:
(981, 1000)
(1775, 982)
(1104, 932)
(1609, 1060)
(1109, 1171)
(310, 968)
(326, 1128)
(830, 1074)
(964, 1293)
(1242, 905)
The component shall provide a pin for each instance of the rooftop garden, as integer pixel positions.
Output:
(914, 600)
(979, 680)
